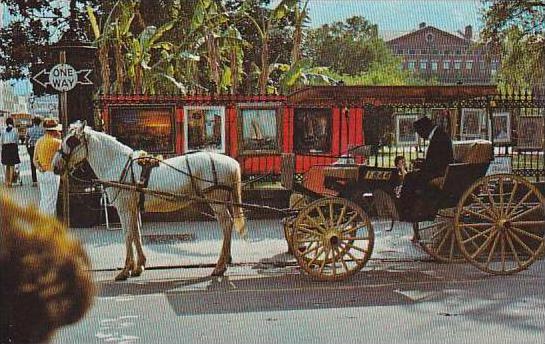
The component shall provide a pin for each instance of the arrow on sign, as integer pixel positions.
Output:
(84, 77)
(36, 78)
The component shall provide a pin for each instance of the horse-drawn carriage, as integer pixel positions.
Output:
(496, 222)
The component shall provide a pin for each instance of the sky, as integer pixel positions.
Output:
(395, 16)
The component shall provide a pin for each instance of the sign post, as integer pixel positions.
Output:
(63, 78)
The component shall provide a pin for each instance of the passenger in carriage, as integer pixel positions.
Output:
(416, 188)
(401, 166)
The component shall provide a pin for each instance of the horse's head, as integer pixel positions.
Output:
(74, 149)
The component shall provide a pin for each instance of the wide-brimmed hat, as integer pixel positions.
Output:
(52, 125)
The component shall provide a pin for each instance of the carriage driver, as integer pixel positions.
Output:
(416, 184)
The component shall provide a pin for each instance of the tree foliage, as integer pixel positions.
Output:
(516, 30)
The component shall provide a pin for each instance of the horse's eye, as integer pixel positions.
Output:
(72, 142)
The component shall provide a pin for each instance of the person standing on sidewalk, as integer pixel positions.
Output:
(45, 150)
(33, 134)
(10, 150)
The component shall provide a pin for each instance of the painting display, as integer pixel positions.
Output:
(501, 127)
(530, 132)
(444, 118)
(405, 134)
(147, 128)
(474, 124)
(204, 128)
(259, 130)
(312, 130)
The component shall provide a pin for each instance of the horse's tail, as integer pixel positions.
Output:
(239, 221)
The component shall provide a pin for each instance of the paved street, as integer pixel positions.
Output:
(400, 297)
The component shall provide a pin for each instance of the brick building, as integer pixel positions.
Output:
(446, 57)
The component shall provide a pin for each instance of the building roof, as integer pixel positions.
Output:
(414, 33)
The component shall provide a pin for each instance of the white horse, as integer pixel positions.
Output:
(214, 176)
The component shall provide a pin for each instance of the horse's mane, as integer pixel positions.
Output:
(109, 140)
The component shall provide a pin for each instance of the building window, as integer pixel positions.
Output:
(411, 65)
(423, 51)
(457, 64)
(458, 52)
(447, 52)
(494, 67)
(446, 64)
(469, 52)
(400, 51)
(423, 64)
(469, 65)
(429, 37)
(412, 52)
(436, 52)
(434, 65)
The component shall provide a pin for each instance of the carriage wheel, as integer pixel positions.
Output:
(500, 224)
(297, 201)
(332, 239)
(438, 239)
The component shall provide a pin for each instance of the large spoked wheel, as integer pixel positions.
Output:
(438, 239)
(500, 224)
(297, 201)
(332, 238)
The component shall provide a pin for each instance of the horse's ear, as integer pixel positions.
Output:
(83, 124)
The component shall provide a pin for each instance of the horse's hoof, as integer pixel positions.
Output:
(219, 271)
(122, 276)
(137, 272)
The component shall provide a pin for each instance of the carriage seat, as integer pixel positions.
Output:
(471, 160)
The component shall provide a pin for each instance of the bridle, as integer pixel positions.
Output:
(75, 142)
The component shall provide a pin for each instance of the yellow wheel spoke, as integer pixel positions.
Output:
(316, 224)
(331, 213)
(308, 250)
(510, 242)
(309, 231)
(322, 217)
(482, 216)
(479, 235)
(521, 243)
(324, 261)
(513, 192)
(467, 235)
(452, 240)
(484, 206)
(502, 252)
(528, 234)
(341, 216)
(474, 224)
(528, 223)
(501, 196)
(336, 249)
(347, 252)
(355, 248)
(526, 212)
(356, 238)
(485, 244)
(492, 250)
(520, 202)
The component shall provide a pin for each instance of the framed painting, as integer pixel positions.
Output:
(312, 130)
(444, 118)
(501, 127)
(473, 124)
(259, 128)
(405, 133)
(530, 132)
(150, 128)
(204, 128)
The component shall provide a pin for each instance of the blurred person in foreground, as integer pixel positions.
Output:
(9, 139)
(45, 150)
(33, 134)
(45, 279)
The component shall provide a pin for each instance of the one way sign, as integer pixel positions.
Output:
(63, 77)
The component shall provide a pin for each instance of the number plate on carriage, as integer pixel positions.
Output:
(378, 175)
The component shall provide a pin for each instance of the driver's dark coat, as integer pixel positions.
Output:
(438, 157)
